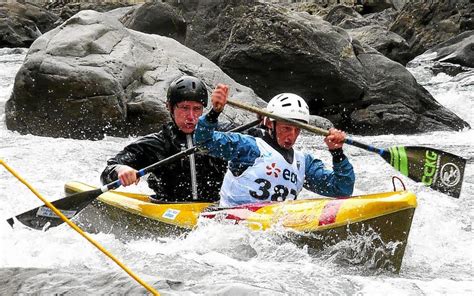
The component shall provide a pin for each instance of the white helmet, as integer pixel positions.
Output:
(290, 106)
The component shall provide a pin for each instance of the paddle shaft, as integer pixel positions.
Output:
(116, 184)
(71, 205)
(439, 170)
(302, 125)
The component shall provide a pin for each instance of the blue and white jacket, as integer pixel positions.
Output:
(245, 152)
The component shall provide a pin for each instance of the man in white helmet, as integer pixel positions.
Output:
(267, 168)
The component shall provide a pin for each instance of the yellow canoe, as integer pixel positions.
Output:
(317, 223)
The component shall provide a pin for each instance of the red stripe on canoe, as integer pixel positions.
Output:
(329, 213)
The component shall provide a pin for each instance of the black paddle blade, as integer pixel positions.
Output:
(436, 169)
(43, 217)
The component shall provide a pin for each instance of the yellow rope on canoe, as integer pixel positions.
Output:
(79, 230)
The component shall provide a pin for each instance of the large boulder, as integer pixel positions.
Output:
(66, 8)
(398, 4)
(457, 50)
(157, 18)
(21, 24)
(92, 76)
(425, 24)
(122, 12)
(372, 30)
(274, 50)
(372, 6)
(346, 17)
(386, 42)
(312, 8)
(404, 105)
(383, 18)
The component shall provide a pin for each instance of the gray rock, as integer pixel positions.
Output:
(121, 12)
(274, 50)
(424, 24)
(383, 18)
(342, 14)
(370, 6)
(348, 18)
(92, 76)
(21, 24)
(401, 106)
(448, 68)
(157, 18)
(457, 50)
(320, 122)
(66, 9)
(372, 30)
(398, 4)
(387, 43)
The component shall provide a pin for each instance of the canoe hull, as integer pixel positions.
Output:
(377, 243)
(371, 231)
(102, 217)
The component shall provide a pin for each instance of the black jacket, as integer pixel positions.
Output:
(171, 182)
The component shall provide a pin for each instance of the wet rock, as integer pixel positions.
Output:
(372, 30)
(457, 50)
(21, 24)
(375, 6)
(92, 76)
(55, 281)
(447, 68)
(387, 43)
(157, 18)
(308, 7)
(402, 106)
(425, 24)
(398, 4)
(346, 17)
(121, 12)
(383, 18)
(66, 9)
(320, 122)
(274, 50)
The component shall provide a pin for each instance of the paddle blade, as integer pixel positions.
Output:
(43, 218)
(436, 169)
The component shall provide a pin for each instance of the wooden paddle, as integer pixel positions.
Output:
(43, 217)
(439, 170)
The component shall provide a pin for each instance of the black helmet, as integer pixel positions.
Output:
(187, 88)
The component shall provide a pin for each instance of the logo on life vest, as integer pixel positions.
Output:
(272, 169)
(287, 174)
(450, 175)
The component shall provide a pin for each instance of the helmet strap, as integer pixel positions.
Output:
(170, 109)
(274, 131)
(271, 126)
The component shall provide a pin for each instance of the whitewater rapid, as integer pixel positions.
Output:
(218, 259)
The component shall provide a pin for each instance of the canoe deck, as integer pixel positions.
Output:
(320, 224)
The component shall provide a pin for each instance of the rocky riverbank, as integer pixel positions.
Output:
(102, 72)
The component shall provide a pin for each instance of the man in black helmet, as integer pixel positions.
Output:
(198, 177)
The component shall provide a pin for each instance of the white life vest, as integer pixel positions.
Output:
(270, 178)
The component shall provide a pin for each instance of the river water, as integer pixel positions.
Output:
(220, 259)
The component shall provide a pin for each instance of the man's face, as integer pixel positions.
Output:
(286, 134)
(186, 115)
